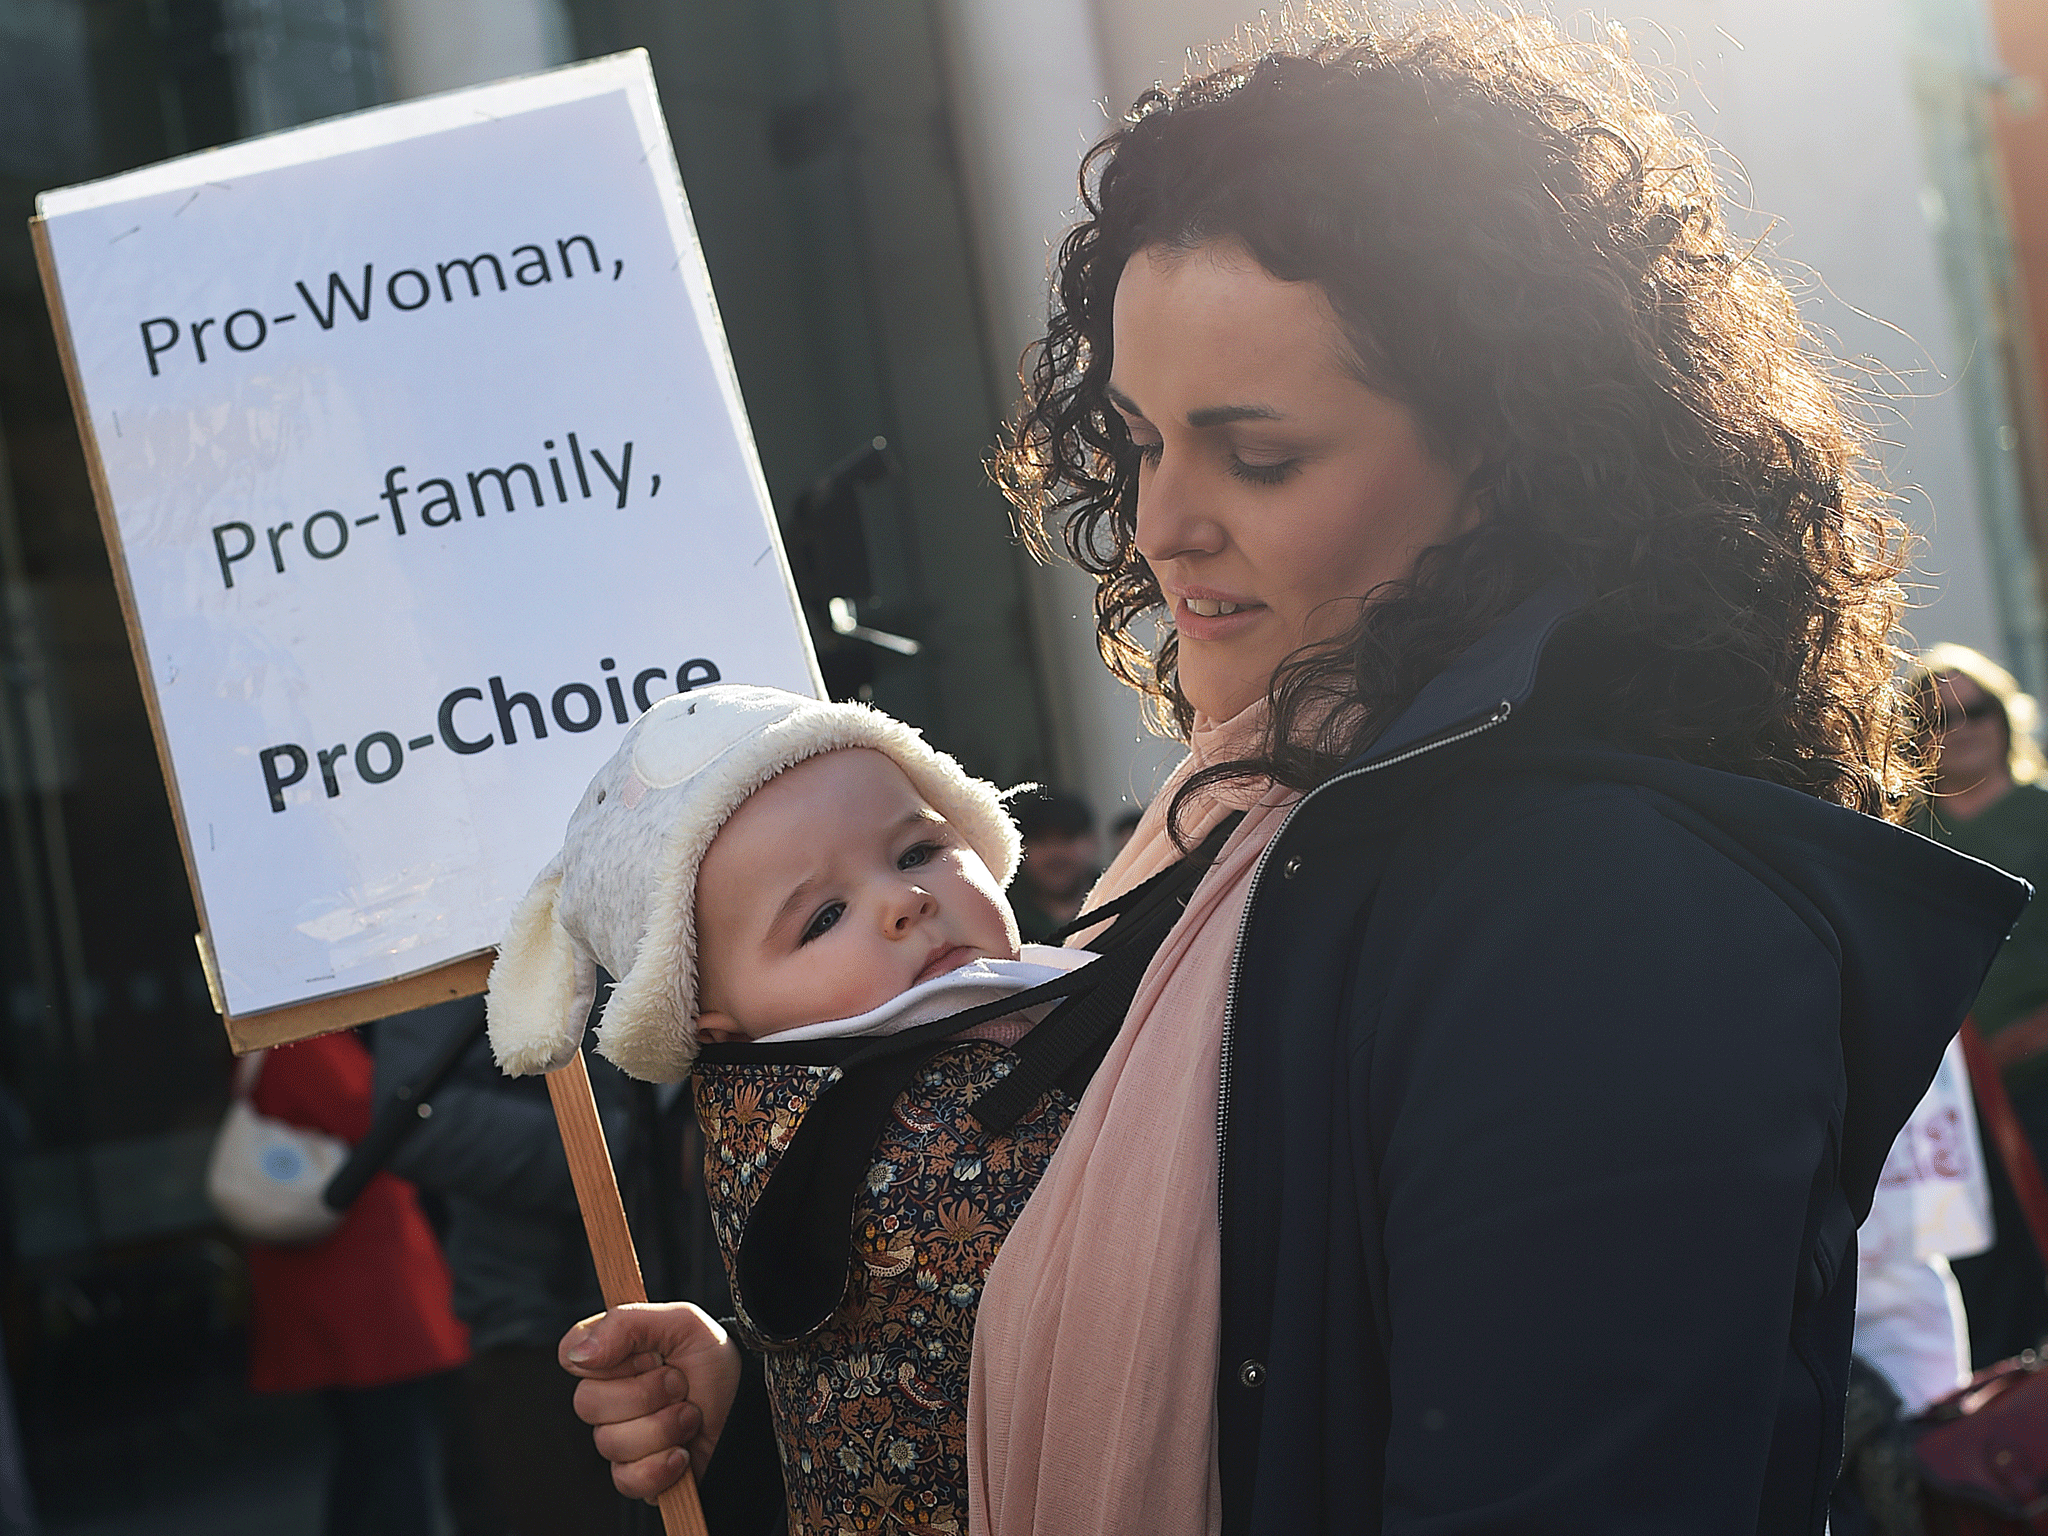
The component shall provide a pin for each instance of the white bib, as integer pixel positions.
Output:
(980, 981)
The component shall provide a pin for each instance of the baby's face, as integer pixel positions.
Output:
(832, 889)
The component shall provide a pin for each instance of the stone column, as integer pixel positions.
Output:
(1028, 100)
(438, 45)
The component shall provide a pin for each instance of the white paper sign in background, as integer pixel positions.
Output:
(430, 471)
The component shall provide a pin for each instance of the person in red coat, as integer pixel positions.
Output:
(361, 1317)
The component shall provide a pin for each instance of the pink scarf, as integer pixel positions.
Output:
(1092, 1402)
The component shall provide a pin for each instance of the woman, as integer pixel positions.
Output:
(1484, 1149)
(1988, 802)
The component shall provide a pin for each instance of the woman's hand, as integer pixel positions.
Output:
(658, 1379)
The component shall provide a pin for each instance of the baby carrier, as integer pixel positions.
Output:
(859, 1191)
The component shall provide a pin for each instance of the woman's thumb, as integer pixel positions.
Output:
(601, 1345)
(630, 1339)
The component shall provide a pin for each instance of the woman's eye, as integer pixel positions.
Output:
(828, 914)
(1263, 474)
(1148, 453)
(918, 853)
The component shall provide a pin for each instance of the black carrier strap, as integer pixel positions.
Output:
(793, 1259)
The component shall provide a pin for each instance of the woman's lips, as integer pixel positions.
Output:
(1225, 616)
(950, 958)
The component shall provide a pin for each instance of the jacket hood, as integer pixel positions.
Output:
(1914, 924)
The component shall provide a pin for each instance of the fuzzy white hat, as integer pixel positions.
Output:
(622, 892)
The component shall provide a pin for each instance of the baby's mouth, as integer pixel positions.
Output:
(950, 958)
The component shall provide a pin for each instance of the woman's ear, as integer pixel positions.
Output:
(715, 1028)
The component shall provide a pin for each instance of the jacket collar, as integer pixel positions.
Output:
(1500, 668)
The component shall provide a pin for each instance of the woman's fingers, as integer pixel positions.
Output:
(627, 1441)
(618, 1400)
(648, 1478)
(612, 1343)
(657, 1379)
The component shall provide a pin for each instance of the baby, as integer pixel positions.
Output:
(772, 877)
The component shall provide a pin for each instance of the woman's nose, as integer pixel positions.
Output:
(1174, 521)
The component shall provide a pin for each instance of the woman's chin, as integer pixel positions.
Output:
(1221, 698)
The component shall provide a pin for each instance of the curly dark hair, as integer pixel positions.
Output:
(1525, 252)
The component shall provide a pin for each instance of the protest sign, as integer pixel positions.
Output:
(424, 470)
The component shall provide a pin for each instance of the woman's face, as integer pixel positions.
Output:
(1971, 728)
(1274, 488)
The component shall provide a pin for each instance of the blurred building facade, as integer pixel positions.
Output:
(877, 188)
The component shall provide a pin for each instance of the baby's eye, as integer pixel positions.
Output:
(828, 914)
(919, 853)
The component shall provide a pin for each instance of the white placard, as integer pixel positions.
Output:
(427, 469)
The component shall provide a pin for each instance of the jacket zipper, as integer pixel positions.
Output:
(1497, 716)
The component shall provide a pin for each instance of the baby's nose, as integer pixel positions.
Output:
(915, 904)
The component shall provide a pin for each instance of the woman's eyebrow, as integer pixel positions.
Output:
(1122, 401)
(1207, 416)
(1223, 415)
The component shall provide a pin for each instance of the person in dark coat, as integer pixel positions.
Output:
(1484, 1150)
(522, 1272)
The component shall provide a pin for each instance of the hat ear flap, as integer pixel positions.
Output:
(541, 987)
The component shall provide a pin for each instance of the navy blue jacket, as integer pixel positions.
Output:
(1556, 1081)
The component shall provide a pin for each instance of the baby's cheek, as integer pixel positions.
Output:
(995, 926)
(854, 984)
(989, 909)
(1006, 921)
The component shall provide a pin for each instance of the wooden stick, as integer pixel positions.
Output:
(611, 1241)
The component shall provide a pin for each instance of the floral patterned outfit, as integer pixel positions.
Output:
(870, 1408)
